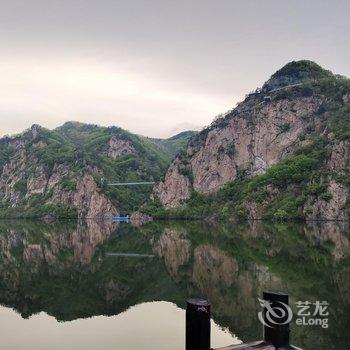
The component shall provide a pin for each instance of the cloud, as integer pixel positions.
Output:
(52, 91)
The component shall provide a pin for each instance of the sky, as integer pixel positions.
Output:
(154, 67)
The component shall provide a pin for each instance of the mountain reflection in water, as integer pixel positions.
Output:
(74, 271)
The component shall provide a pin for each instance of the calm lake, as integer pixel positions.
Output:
(94, 286)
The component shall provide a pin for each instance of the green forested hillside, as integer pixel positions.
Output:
(31, 162)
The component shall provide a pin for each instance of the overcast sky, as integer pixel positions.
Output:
(154, 67)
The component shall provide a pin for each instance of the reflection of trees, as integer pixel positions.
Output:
(63, 269)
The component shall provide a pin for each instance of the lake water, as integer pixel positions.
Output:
(107, 286)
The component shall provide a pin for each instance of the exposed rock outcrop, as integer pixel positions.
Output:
(339, 160)
(175, 189)
(118, 147)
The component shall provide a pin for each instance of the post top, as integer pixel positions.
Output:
(276, 296)
(198, 302)
(274, 292)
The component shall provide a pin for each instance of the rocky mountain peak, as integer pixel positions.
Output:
(296, 72)
(34, 132)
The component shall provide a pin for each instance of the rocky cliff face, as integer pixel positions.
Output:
(251, 141)
(175, 189)
(64, 172)
(292, 111)
(119, 147)
(25, 178)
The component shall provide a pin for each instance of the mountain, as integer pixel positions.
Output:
(175, 143)
(282, 153)
(64, 172)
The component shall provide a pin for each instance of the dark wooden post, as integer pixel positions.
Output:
(197, 325)
(276, 328)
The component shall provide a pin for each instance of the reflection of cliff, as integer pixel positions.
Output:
(34, 253)
(55, 245)
(334, 235)
(63, 269)
(231, 288)
(231, 266)
(174, 248)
